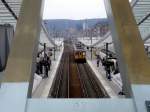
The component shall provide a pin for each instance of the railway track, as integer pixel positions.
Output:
(92, 87)
(75, 80)
(75, 86)
(61, 85)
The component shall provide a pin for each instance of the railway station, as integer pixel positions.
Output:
(98, 62)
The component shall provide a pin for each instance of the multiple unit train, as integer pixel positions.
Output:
(79, 53)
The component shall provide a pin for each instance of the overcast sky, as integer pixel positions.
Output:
(74, 9)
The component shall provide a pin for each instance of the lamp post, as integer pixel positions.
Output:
(54, 36)
(90, 31)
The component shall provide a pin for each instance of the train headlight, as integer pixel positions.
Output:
(84, 54)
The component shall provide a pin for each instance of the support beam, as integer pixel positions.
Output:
(9, 9)
(133, 61)
(133, 3)
(146, 38)
(23, 51)
(144, 19)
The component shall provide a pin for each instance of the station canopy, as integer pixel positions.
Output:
(141, 9)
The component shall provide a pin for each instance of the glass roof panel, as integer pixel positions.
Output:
(5, 15)
(141, 10)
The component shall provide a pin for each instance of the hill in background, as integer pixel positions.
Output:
(64, 24)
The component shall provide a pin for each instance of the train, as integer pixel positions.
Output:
(79, 53)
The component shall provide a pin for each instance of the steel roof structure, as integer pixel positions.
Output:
(9, 11)
(141, 10)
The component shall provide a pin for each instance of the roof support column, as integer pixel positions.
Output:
(20, 66)
(17, 80)
(133, 61)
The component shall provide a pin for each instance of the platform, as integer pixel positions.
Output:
(42, 86)
(112, 87)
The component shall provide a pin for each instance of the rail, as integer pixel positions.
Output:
(68, 77)
(83, 86)
(81, 79)
(95, 85)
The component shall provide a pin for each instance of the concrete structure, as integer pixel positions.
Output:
(16, 86)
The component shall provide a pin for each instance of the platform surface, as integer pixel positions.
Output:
(43, 85)
(112, 87)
